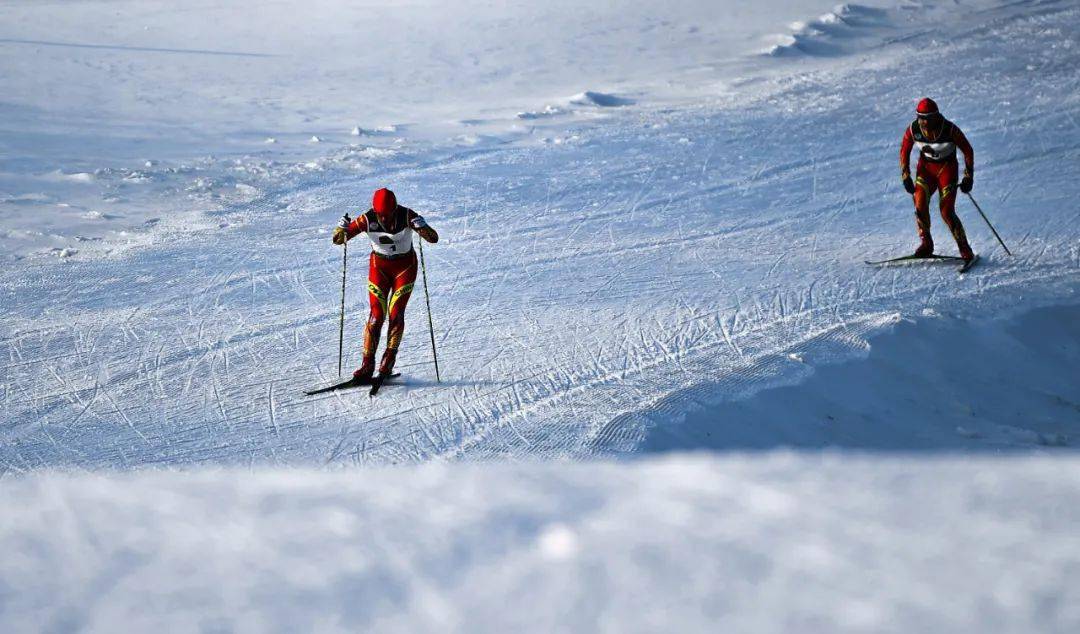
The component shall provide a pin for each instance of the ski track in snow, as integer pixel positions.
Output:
(660, 251)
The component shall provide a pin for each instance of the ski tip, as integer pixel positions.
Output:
(322, 389)
(935, 257)
(345, 383)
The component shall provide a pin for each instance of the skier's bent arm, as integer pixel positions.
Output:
(343, 234)
(428, 233)
(968, 181)
(420, 226)
(964, 146)
(906, 145)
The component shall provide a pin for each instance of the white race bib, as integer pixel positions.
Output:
(391, 243)
(936, 151)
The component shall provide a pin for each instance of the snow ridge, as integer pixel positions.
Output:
(832, 33)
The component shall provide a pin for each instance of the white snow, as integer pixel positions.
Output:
(784, 543)
(673, 397)
(602, 100)
(192, 85)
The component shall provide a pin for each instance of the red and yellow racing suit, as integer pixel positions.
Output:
(937, 172)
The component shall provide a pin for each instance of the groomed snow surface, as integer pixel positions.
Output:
(673, 398)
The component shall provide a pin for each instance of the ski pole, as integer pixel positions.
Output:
(988, 224)
(341, 327)
(427, 300)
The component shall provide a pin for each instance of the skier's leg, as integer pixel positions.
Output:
(399, 299)
(924, 188)
(948, 181)
(378, 289)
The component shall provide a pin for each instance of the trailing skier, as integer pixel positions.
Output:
(937, 140)
(391, 273)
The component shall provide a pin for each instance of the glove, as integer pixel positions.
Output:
(909, 185)
(340, 231)
(967, 183)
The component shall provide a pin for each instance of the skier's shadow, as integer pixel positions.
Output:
(444, 383)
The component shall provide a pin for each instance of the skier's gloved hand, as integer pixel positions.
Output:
(909, 186)
(967, 183)
(340, 231)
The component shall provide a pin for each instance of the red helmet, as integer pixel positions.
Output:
(384, 202)
(927, 108)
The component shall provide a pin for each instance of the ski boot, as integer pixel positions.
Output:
(925, 249)
(966, 252)
(387, 365)
(366, 369)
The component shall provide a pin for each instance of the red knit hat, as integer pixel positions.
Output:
(927, 108)
(384, 201)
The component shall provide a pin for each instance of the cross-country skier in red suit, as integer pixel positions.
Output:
(937, 139)
(391, 272)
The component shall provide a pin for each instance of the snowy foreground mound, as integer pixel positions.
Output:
(783, 543)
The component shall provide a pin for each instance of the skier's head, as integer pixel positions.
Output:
(929, 116)
(384, 203)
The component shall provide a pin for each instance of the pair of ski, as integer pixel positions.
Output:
(375, 383)
(965, 265)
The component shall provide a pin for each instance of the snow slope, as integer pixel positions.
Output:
(654, 223)
(123, 118)
(713, 238)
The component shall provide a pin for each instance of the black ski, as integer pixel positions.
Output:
(905, 258)
(342, 385)
(967, 265)
(377, 381)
